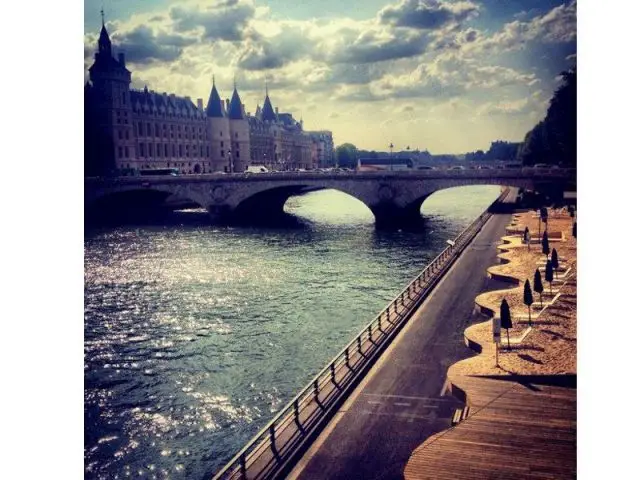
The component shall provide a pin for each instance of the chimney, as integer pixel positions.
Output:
(244, 112)
(188, 99)
(276, 110)
(200, 107)
(222, 105)
(227, 100)
(121, 59)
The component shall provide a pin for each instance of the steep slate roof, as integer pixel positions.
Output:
(267, 111)
(235, 107)
(214, 107)
(159, 101)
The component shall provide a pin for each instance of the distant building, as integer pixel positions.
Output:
(130, 130)
(381, 164)
(323, 148)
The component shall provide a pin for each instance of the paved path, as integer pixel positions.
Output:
(398, 404)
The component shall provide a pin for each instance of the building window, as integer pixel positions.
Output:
(120, 134)
(148, 129)
(221, 144)
(236, 134)
(126, 134)
(237, 154)
(142, 150)
(202, 150)
(221, 153)
(186, 150)
(124, 98)
(126, 153)
(140, 127)
(119, 152)
(207, 150)
(166, 151)
(220, 133)
(157, 130)
(151, 149)
(180, 150)
(159, 150)
(173, 150)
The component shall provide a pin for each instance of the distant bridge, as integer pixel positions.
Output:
(393, 197)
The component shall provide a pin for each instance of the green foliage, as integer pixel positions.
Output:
(347, 155)
(554, 140)
(505, 315)
(528, 294)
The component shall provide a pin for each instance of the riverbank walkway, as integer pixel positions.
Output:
(400, 403)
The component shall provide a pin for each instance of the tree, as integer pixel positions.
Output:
(505, 319)
(555, 263)
(346, 155)
(545, 244)
(548, 275)
(527, 237)
(554, 140)
(528, 297)
(537, 285)
(575, 230)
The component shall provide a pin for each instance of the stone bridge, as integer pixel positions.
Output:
(393, 197)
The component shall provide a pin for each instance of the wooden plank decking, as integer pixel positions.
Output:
(515, 430)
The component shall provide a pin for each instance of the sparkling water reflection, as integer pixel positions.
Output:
(195, 334)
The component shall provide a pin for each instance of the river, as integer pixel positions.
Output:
(195, 335)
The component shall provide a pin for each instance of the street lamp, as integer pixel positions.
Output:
(230, 161)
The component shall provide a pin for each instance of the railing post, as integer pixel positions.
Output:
(333, 373)
(272, 436)
(346, 357)
(296, 411)
(379, 322)
(369, 330)
(316, 390)
(359, 345)
(243, 467)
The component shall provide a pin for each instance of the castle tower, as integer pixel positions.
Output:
(110, 107)
(239, 130)
(219, 135)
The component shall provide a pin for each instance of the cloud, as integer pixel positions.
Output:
(427, 14)
(142, 45)
(262, 53)
(556, 26)
(377, 45)
(224, 20)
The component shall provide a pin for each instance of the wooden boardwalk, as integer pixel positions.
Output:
(516, 429)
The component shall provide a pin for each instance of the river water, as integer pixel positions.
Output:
(195, 335)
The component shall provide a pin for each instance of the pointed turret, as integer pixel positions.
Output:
(267, 110)
(104, 42)
(235, 107)
(214, 106)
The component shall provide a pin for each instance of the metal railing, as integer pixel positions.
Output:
(273, 447)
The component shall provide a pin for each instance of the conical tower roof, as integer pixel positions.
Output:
(235, 107)
(267, 110)
(214, 106)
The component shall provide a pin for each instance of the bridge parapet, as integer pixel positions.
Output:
(393, 197)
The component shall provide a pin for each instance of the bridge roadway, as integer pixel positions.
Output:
(393, 197)
(399, 404)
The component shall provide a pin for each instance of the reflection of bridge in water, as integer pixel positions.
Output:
(393, 197)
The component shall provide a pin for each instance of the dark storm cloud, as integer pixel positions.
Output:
(141, 45)
(224, 21)
(427, 14)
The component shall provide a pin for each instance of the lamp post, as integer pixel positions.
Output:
(230, 161)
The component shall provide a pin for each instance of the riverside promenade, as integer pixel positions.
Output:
(522, 413)
(401, 402)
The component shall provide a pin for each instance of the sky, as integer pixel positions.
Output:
(445, 76)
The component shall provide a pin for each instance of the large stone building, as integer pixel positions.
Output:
(129, 130)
